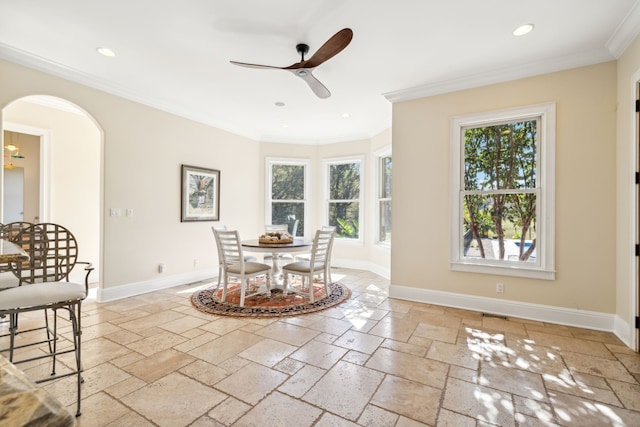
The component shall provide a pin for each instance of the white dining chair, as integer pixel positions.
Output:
(307, 256)
(316, 266)
(230, 247)
(247, 258)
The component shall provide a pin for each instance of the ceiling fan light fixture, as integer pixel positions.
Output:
(523, 29)
(302, 73)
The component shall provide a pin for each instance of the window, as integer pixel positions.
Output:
(383, 208)
(287, 182)
(503, 186)
(344, 196)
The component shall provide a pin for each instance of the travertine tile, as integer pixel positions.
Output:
(251, 383)
(575, 345)
(576, 411)
(629, 394)
(302, 381)
(448, 418)
(534, 410)
(419, 369)
(226, 346)
(99, 409)
(374, 416)
(330, 420)
(280, 410)
(319, 354)
(514, 381)
(268, 352)
(158, 401)
(480, 402)
(204, 372)
(156, 343)
(363, 343)
(345, 390)
(395, 329)
(288, 333)
(453, 354)
(597, 366)
(409, 398)
(229, 411)
(164, 362)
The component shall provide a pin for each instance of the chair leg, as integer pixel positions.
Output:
(311, 298)
(285, 282)
(224, 287)
(55, 338)
(77, 339)
(13, 328)
(243, 285)
(219, 278)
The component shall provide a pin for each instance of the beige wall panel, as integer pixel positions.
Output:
(585, 183)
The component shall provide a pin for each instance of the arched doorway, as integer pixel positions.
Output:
(69, 167)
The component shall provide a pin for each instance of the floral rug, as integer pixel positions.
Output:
(279, 305)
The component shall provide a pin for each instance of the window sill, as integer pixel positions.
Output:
(503, 270)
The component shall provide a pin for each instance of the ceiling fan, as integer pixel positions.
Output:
(304, 68)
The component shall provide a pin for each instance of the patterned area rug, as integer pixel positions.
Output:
(279, 305)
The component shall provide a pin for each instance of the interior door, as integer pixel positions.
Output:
(13, 195)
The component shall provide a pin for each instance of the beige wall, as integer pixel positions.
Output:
(585, 181)
(626, 154)
(143, 149)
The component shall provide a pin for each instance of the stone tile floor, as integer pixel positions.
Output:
(372, 361)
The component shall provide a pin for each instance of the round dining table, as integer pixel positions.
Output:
(298, 245)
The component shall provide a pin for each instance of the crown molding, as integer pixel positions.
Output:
(47, 66)
(507, 74)
(626, 32)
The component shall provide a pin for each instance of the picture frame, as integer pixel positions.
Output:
(200, 194)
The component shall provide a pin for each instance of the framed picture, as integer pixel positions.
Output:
(200, 195)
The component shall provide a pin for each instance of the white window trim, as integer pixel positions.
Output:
(270, 161)
(377, 156)
(545, 269)
(326, 163)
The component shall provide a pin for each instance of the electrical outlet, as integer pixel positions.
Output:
(162, 268)
(500, 287)
(196, 262)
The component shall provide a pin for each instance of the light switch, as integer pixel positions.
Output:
(116, 212)
(129, 211)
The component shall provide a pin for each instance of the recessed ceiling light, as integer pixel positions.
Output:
(523, 29)
(285, 126)
(279, 104)
(105, 51)
(345, 115)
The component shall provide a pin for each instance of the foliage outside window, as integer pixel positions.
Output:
(504, 201)
(344, 197)
(287, 181)
(385, 166)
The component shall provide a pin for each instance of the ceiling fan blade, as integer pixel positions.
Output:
(330, 48)
(244, 64)
(318, 88)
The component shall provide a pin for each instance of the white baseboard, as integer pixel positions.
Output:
(138, 288)
(543, 313)
(362, 265)
(624, 331)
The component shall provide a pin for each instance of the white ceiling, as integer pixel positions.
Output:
(174, 55)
